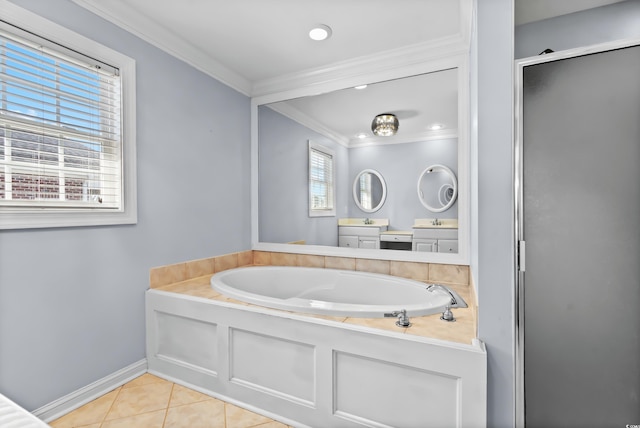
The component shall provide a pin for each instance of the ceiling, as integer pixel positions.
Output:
(250, 43)
(418, 102)
(259, 47)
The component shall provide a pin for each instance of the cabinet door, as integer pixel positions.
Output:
(425, 245)
(447, 245)
(348, 241)
(372, 244)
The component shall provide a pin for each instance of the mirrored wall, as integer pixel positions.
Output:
(376, 178)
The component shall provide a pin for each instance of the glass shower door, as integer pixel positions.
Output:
(580, 159)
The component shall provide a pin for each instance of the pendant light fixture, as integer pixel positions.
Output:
(385, 125)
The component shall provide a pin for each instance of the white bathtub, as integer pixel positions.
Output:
(332, 291)
(312, 372)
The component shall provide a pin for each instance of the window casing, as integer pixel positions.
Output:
(321, 181)
(67, 148)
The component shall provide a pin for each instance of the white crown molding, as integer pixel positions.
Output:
(414, 59)
(384, 65)
(148, 30)
(307, 121)
(444, 134)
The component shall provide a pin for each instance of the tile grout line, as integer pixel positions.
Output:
(166, 410)
(111, 406)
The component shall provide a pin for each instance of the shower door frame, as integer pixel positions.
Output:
(518, 188)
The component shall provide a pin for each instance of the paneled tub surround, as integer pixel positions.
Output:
(314, 370)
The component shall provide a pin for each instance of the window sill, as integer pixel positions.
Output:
(68, 218)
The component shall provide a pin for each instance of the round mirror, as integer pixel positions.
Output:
(369, 190)
(437, 188)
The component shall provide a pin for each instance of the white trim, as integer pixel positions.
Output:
(18, 218)
(305, 120)
(148, 30)
(442, 134)
(82, 396)
(444, 62)
(517, 179)
(386, 62)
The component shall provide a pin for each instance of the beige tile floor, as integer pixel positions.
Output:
(151, 402)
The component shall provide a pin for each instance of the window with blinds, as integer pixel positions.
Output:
(67, 127)
(365, 191)
(60, 127)
(321, 181)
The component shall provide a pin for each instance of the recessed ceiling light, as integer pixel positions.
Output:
(362, 135)
(360, 87)
(320, 32)
(436, 126)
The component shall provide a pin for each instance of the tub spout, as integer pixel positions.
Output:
(456, 301)
(403, 318)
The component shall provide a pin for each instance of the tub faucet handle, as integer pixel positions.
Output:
(447, 315)
(403, 318)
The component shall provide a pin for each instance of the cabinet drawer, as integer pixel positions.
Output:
(395, 237)
(448, 246)
(427, 233)
(360, 230)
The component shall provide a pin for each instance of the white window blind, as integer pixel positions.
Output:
(60, 127)
(321, 181)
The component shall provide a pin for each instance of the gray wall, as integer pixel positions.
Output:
(283, 182)
(72, 299)
(401, 165)
(492, 202)
(492, 249)
(589, 27)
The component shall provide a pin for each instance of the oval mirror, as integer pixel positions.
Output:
(369, 190)
(437, 188)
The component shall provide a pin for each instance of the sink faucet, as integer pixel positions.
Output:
(436, 222)
(368, 221)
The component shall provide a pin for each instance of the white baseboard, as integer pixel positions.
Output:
(82, 396)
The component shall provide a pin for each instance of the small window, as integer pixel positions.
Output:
(62, 137)
(365, 187)
(321, 181)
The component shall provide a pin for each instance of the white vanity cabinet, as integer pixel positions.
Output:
(360, 236)
(436, 240)
(361, 232)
